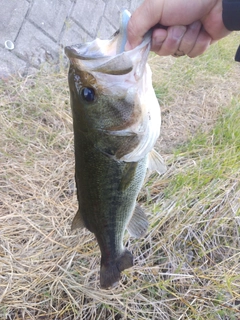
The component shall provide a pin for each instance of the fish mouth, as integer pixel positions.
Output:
(115, 64)
(109, 56)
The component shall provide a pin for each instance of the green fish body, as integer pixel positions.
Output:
(115, 130)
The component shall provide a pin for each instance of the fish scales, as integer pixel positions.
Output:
(116, 121)
(106, 202)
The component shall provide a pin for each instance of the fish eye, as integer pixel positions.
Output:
(88, 94)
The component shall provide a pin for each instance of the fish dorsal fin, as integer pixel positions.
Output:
(138, 224)
(77, 221)
(156, 162)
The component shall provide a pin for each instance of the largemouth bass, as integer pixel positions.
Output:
(116, 122)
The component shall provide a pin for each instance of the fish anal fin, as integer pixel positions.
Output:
(138, 224)
(156, 162)
(110, 273)
(77, 221)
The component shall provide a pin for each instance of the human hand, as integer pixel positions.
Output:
(192, 26)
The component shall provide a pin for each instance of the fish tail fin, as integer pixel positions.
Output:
(110, 272)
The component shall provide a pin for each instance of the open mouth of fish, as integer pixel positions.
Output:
(109, 56)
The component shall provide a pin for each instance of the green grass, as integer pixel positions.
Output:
(216, 156)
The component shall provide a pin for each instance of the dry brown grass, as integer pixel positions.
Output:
(188, 265)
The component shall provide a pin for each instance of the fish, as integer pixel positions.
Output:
(116, 122)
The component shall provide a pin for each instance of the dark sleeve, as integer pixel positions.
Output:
(231, 18)
(231, 14)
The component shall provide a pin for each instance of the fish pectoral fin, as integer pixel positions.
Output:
(138, 224)
(77, 221)
(128, 175)
(156, 162)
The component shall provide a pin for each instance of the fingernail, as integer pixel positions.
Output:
(178, 32)
(195, 25)
(158, 39)
(159, 35)
(156, 44)
(128, 46)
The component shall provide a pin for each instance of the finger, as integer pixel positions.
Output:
(190, 37)
(159, 36)
(143, 19)
(171, 43)
(202, 43)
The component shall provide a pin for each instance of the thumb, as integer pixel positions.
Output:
(143, 19)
